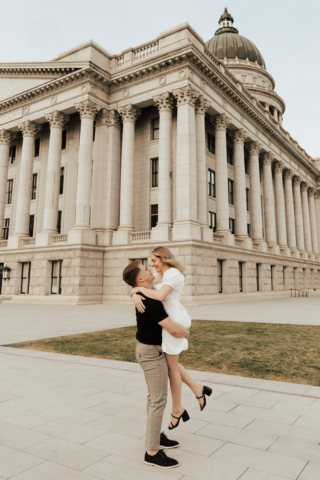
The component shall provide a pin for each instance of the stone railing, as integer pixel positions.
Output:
(146, 50)
(217, 238)
(119, 61)
(3, 243)
(59, 238)
(28, 241)
(137, 237)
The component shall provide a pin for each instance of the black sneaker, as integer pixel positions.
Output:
(160, 460)
(166, 443)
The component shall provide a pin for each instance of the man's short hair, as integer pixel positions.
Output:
(131, 272)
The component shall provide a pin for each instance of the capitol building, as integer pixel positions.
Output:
(178, 142)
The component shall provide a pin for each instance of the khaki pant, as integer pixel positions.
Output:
(154, 364)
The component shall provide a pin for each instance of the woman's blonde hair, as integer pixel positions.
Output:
(166, 256)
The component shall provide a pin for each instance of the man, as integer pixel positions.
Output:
(153, 362)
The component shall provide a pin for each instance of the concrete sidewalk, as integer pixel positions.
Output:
(77, 418)
(20, 323)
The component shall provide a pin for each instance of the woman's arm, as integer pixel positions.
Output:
(155, 294)
(138, 301)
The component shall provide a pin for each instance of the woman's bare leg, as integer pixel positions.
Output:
(197, 388)
(175, 385)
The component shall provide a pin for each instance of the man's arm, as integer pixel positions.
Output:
(174, 329)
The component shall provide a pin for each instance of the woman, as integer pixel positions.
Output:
(168, 285)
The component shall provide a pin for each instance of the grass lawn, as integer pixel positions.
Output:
(288, 353)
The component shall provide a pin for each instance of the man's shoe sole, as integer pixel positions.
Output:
(159, 466)
(167, 448)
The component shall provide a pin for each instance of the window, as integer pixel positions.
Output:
(25, 278)
(246, 163)
(154, 215)
(56, 276)
(155, 128)
(240, 276)
(144, 261)
(34, 186)
(247, 198)
(12, 154)
(232, 225)
(211, 143)
(64, 140)
(257, 276)
(263, 83)
(230, 191)
(212, 221)
(230, 155)
(9, 192)
(254, 79)
(37, 147)
(211, 183)
(272, 276)
(6, 225)
(219, 275)
(244, 78)
(249, 229)
(61, 181)
(59, 221)
(31, 225)
(155, 172)
(94, 131)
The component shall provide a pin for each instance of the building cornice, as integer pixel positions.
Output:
(268, 93)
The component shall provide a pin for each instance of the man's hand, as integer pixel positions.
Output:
(138, 301)
(175, 329)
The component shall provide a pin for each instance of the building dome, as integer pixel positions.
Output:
(228, 44)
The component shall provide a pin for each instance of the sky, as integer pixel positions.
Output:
(286, 32)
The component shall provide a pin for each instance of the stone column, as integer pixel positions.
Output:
(202, 171)
(269, 199)
(57, 121)
(6, 138)
(255, 193)
(313, 221)
(129, 114)
(29, 131)
(306, 217)
(186, 225)
(82, 232)
(317, 206)
(275, 114)
(240, 184)
(222, 201)
(291, 231)
(164, 103)
(280, 208)
(298, 213)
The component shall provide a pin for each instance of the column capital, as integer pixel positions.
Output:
(254, 148)
(87, 108)
(267, 158)
(288, 174)
(164, 101)
(29, 129)
(278, 167)
(57, 119)
(129, 113)
(102, 117)
(202, 105)
(304, 186)
(239, 136)
(114, 119)
(221, 122)
(186, 95)
(317, 194)
(311, 191)
(296, 180)
(6, 137)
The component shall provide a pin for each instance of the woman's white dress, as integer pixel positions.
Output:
(178, 314)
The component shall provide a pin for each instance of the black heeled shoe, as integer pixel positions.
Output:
(206, 391)
(185, 417)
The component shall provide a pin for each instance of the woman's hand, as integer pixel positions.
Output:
(138, 301)
(135, 290)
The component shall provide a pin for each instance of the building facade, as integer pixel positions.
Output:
(177, 142)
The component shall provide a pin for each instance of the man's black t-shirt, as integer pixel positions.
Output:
(149, 331)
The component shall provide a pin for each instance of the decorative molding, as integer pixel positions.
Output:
(239, 136)
(6, 137)
(57, 119)
(267, 158)
(164, 101)
(254, 148)
(186, 95)
(29, 129)
(162, 80)
(87, 109)
(129, 113)
(202, 105)
(221, 122)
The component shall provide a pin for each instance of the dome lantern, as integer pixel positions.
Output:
(226, 23)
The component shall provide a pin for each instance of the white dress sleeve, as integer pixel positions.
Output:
(174, 278)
